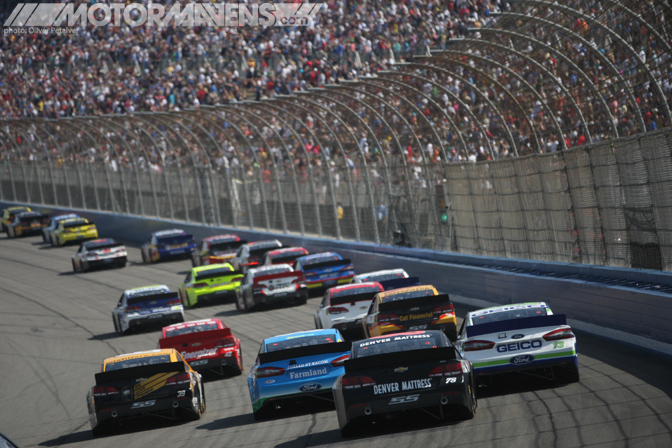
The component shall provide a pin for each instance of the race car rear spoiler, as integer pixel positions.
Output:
(362, 296)
(206, 274)
(522, 323)
(262, 278)
(68, 225)
(398, 358)
(175, 341)
(326, 264)
(418, 301)
(397, 283)
(150, 298)
(139, 372)
(300, 352)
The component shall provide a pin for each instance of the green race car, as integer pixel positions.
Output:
(209, 283)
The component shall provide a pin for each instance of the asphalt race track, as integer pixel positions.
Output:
(56, 327)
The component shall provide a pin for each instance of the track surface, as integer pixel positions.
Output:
(55, 329)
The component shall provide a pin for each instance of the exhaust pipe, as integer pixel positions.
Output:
(443, 328)
(115, 414)
(368, 411)
(444, 400)
(223, 363)
(176, 404)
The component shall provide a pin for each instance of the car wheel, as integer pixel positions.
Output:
(100, 430)
(122, 263)
(263, 413)
(74, 267)
(468, 412)
(195, 262)
(144, 258)
(302, 300)
(53, 241)
(352, 429)
(197, 409)
(11, 233)
(566, 375)
(116, 327)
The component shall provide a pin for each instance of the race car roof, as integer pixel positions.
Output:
(383, 272)
(68, 216)
(99, 242)
(320, 255)
(299, 334)
(69, 220)
(285, 250)
(157, 288)
(210, 267)
(27, 214)
(145, 354)
(502, 308)
(170, 232)
(222, 238)
(341, 288)
(271, 267)
(264, 243)
(394, 292)
(18, 208)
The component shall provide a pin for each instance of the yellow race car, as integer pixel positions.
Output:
(155, 382)
(207, 283)
(73, 229)
(9, 213)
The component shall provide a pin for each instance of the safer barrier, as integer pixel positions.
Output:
(643, 313)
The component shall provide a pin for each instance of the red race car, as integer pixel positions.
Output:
(206, 345)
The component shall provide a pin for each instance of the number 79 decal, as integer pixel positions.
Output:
(406, 399)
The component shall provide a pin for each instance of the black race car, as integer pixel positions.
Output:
(400, 373)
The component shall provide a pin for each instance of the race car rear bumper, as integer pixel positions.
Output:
(505, 365)
(145, 406)
(227, 292)
(106, 261)
(220, 363)
(264, 298)
(148, 320)
(328, 282)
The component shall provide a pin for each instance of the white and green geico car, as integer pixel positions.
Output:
(519, 337)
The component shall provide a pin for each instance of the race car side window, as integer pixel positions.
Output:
(121, 300)
(325, 300)
(463, 329)
(188, 278)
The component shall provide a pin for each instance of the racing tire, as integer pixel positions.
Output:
(53, 242)
(566, 375)
(121, 264)
(195, 262)
(101, 430)
(74, 268)
(144, 258)
(185, 302)
(241, 305)
(116, 327)
(468, 412)
(11, 233)
(193, 415)
(352, 429)
(262, 414)
(300, 301)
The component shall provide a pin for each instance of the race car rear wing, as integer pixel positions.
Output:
(399, 358)
(177, 341)
(362, 296)
(397, 283)
(553, 320)
(417, 301)
(217, 273)
(262, 278)
(300, 352)
(326, 264)
(153, 297)
(69, 225)
(139, 372)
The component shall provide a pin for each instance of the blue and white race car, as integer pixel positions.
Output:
(325, 270)
(149, 306)
(517, 338)
(296, 365)
(166, 244)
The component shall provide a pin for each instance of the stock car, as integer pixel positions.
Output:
(344, 307)
(145, 307)
(325, 270)
(216, 249)
(99, 253)
(174, 243)
(53, 222)
(209, 283)
(26, 223)
(9, 212)
(295, 366)
(73, 229)
(401, 373)
(284, 255)
(410, 309)
(389, 279)
(267, 284)
(206, 344)
(518, 338)
(156, 382)
(249, 255)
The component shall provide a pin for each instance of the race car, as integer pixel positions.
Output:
(166, 244)
(266, 284)
(206, 344)
(99, 253)
(389, 279)
(216, 249)
(284, 255)
(147, 307)
(27, 223)
(8, 215)
(401, 373)
(325, 270)
(344, 307)
(73, 229)
(249, 255)
(156, 382)
(295, 366)
(410, 309)
(53, 222)
(519, 338)
(209, 283)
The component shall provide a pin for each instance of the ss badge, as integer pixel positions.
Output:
(406, 399)
(143, 404)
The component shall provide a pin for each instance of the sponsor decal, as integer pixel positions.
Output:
(151, 384)
(143, 404)
(385, 388)
(521, 359)
(195, 344)
(518, 336)
(515, 346)
(310, 387)
(199, 354)
(416, 384)
(308, 364)
(416, 316)
(307, 373)
(406, 399)
(270, 381)
(401, 369)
